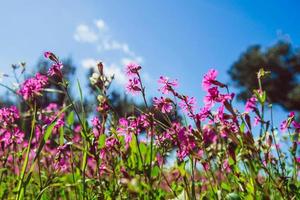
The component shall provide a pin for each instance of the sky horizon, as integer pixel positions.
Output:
(181, 40)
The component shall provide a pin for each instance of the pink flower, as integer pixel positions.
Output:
(220, 114)
(209, 135)
(209, 79)
(55, 69)
(250, 104)
(33, 87)
(186, 142)
(286, 123)
(133, 86)
(257, 120)
(203, 114)
(214, 96)
(226, 166)
(166, 84)
(132, 69)
(111, 142)
(47, 54)
(163, 104)
(8, 116)
(62, 158)
(96, 126)
(296, 125)
(11, 136)
(211, 97)
(127, 128)
(188, 105)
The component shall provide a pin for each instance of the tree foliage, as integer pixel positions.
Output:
(282, 86)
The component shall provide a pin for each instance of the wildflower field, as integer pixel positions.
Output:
(216, 151)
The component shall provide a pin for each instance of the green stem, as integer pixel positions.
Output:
(22, 175)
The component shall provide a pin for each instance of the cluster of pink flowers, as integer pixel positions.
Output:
(9, 130)
(33, 87)
(134, 83)
(129, 147)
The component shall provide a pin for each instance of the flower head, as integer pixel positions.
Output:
(133, 86)
(33, 87)
(166, 84)
(188, 105)
(250, 104)
(209, 78)
(55, 69)
(163, 104)
(132, 69)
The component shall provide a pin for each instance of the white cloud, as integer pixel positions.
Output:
(104, 41)
(127, 60)
(84, 34)
(118, 73)
(101, 25)
(89, 63)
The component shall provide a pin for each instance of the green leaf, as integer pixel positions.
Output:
(226, 187)
(70, 118)
(80, 90)
(233, 196)
(102, 138)
(49, 131)
(250, 187)
(61, 136)
(242, 127)
(155, 171)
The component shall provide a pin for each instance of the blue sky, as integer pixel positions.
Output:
(181, 39)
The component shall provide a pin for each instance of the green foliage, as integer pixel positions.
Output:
(281, 85)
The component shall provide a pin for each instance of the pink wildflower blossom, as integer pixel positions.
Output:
(62, 158)
(132, 69)
(226, 166)
(133, 86)
(33, 87)
(250, 104)
(209, 79)
(213, 96)
(188, 105)
(55, 69)
(163, 104)
(203, 114)
(127, 128)
(166, 84)
(96, 126)
(8, 116)
(286, 123)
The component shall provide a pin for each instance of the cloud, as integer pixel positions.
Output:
(101, 25)
(100, 35)
(127, 60)
(89, 63)
(118, 73)
(102, 38)
(84, 34)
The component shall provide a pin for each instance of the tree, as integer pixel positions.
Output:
(283, 84)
